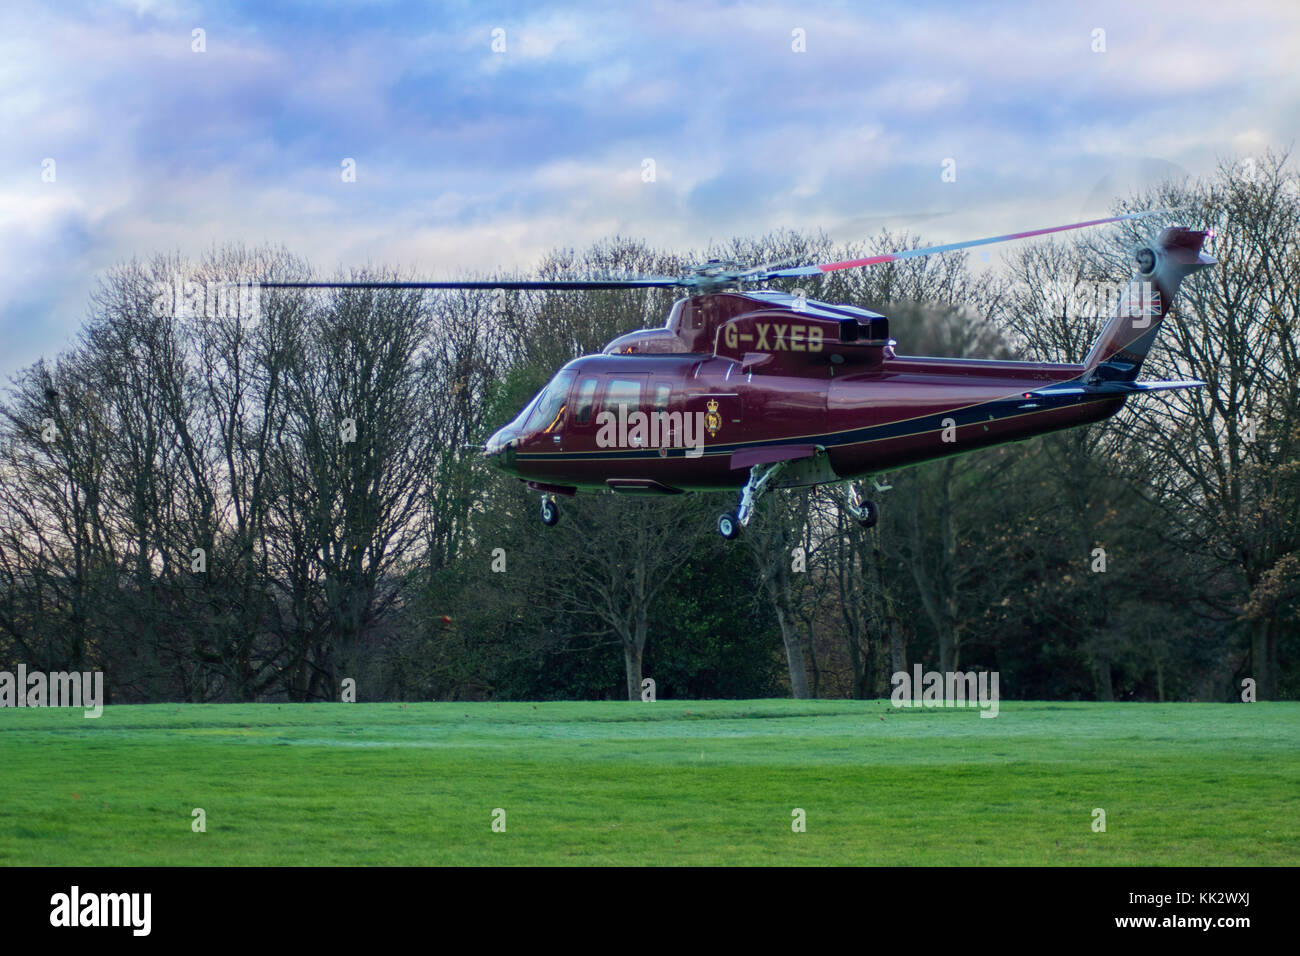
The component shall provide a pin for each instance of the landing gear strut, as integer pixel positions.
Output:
(863, 509)
(550, 510)
(760, 477)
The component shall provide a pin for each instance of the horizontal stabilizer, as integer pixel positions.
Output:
(1162, 386)
(1112, 388)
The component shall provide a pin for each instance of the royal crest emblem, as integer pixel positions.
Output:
(712, 418)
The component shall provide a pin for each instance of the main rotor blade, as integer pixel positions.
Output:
(651, 282)
(950, 247)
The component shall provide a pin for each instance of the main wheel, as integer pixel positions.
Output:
(550, 512)
(728, 526)
(872, 515)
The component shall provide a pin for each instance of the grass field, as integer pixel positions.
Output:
(670, 782)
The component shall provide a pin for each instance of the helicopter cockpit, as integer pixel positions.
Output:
(541, 416)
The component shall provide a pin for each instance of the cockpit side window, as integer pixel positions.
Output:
(550, 405)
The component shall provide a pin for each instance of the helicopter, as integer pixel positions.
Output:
(757, 389)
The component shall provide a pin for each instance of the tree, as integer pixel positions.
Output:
(1221, 459)
(611, 558)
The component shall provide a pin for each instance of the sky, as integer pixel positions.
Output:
(484, 134)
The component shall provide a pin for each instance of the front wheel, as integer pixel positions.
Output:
(870, 515)
(550, 512)
(728, 526)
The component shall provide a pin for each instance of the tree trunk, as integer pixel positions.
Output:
(1263, 659)
(858, 665)
(1102, 679)
(897, 652)
(947, 651)
(793, 656)
(812, 663)
(632, 659)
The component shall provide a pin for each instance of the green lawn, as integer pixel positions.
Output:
(671, 782)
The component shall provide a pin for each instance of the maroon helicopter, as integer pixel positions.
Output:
(765, 389)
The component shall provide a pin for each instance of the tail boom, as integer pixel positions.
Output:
(1160, 269)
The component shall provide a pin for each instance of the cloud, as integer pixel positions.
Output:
(470, 159)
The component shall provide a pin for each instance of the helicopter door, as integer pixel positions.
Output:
(582, 419)
(623, 397)
(664, 431)
(718, 413)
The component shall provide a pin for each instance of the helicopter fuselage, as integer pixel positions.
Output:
(654, 415)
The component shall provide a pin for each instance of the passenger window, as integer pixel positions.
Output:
(623, 392)
(663, 392)
(586, 399)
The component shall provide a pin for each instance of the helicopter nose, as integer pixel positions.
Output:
(498, 450)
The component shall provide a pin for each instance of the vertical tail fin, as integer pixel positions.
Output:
(1159, 270)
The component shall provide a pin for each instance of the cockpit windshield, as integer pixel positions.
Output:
(548, 407)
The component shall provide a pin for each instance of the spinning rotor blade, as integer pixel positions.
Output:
(651, 282)
(931, 250)
(711, 276)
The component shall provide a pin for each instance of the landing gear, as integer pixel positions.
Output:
(861, 508)
(550, 510)
(871, 515)
(760, 477)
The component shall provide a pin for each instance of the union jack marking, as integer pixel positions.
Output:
(1141, 299)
